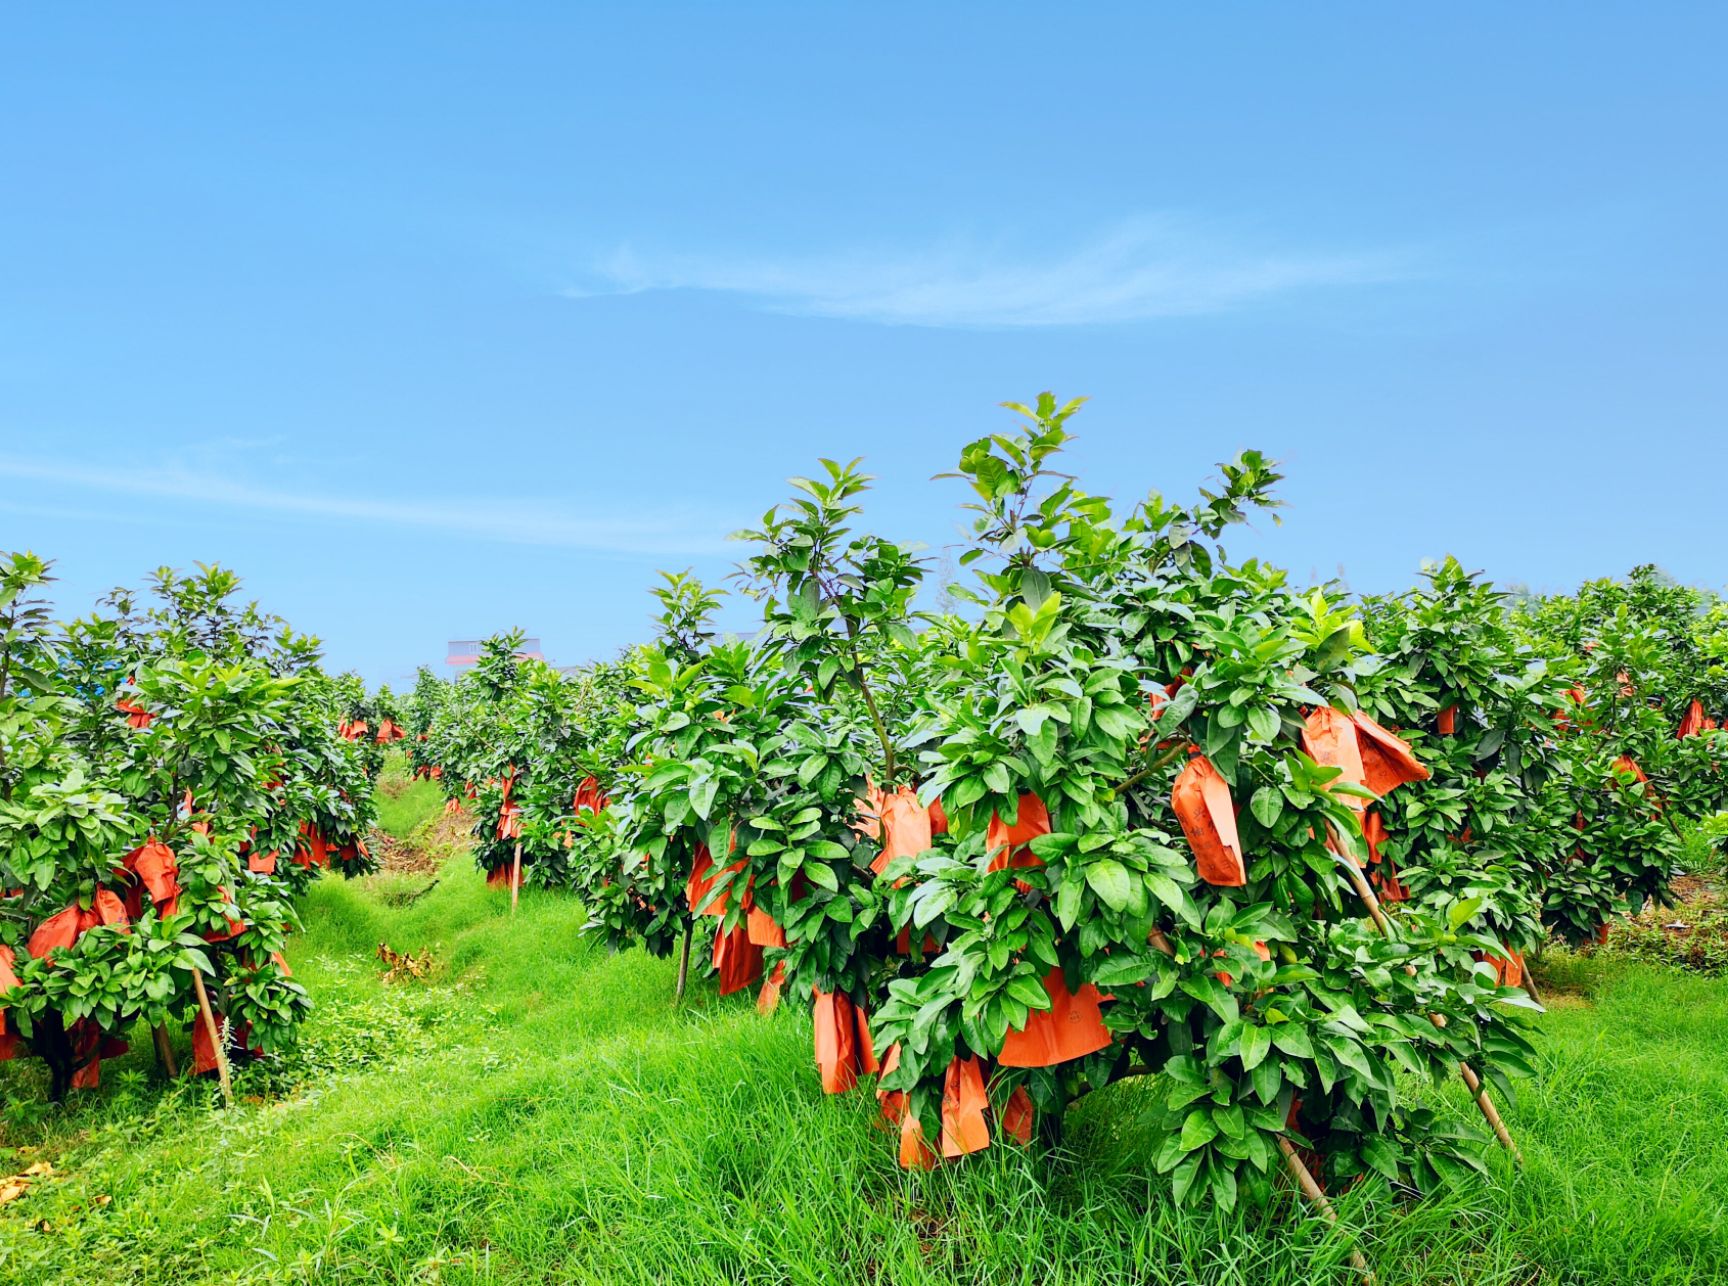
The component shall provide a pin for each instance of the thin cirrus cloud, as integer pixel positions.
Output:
(509, 520)
(1139, 271)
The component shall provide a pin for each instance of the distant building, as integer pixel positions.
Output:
(460, 654)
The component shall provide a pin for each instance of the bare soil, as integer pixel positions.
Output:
(427, 847)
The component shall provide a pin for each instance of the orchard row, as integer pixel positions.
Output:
(1124, 807)
(1116, 806)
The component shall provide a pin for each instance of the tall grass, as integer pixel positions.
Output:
(541, 1111)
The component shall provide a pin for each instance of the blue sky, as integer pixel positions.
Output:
(431, 319)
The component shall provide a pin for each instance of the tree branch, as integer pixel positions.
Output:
(1162, 761)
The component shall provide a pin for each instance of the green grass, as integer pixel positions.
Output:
(540, 1111)
(404, 804)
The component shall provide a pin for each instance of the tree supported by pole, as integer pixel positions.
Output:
(1478, 1093)
(212, 1030)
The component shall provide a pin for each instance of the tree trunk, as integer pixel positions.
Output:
(165, 1051)
(684, 957)
(51, 1043)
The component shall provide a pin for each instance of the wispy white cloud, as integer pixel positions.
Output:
(75, 513)
(506, 519)
(1145, 269)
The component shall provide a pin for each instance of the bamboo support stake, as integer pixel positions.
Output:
(1366, 892)
(1298, 1171)
(515, 876)
(1317, 1198)
(215, 1035)
(1488, 1110)
(1471, 1081)
(1530, 985)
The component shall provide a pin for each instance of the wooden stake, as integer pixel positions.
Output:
(1530, 985)
(515, 876)
(1317, 1198)
(215, 1035)
(165, 1052)
(1474, 1083)
(1366, 892)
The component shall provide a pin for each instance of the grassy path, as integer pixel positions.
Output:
(540, 1112)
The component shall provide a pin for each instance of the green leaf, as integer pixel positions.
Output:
(1177, 709)
(1029, 991)
(1263, 723)
(1255, 1044)
(1031, 719)
(1381, 1153)
(1268, 1080)
(1462, 912)
(1293, 1040)
(1068, 900)
(1198, 1130)
(1349, 1053)
(931, 904)
(1267, 806)
(1182, 1178)
(1109, 880)
(1035, 587)
(702, 796)
(1229, 1121)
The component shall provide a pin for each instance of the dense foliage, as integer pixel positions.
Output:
(1477, 838)
(171, 775)
(1640, 749)
(1133, 807)
(1128, 807)
(1122, 807)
